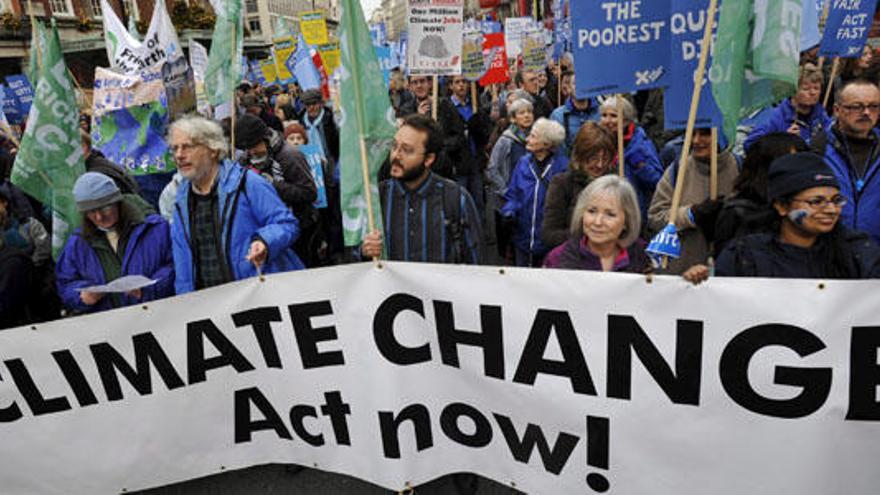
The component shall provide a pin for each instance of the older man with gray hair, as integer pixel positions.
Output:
(228, 222)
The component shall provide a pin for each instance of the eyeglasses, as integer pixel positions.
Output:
(104, 210)
(404, 150)
(183, 147)
(820, 202)
(861, 107)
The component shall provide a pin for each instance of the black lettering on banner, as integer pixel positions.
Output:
(864, 374)
(32, 396)
(147, 351)
(260, 320)
(383, 330)
(297, 414)
(625, 336)
(482, 434)
(198, 364)
(11, 412)
(598, 450)
(554, 458)
(336, 409)
(573, 365)
(75, 378)
(307, 336)
(490, 339)
(245, 426)
(814, 382)
(389, 426)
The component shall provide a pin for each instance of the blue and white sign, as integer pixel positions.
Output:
(315, 157)
(256, 73)
(665, 244)
(18, 89)
(846, 28)
(687, 24)
(620, 46)
(378, 33)
(302, 67)
(383, 54)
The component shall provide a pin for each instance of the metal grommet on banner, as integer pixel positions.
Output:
(649, 278)
(315, 465)
(222, 468)
(501, 271)
(407, 488)
(145, 308)
(33, 327)
(124, 490)
(513, 484)
(821, 285)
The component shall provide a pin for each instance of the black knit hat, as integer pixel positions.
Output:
(249, 131)
(792, 173)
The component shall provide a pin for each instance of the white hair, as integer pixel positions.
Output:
(549, 131)
(629, 111)
(203, 131)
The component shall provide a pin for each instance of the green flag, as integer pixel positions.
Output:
(224, 61)
(755, 58)
(37, 33)
(50, 157)
(366, 115)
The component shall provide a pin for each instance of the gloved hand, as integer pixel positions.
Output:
(705, 214)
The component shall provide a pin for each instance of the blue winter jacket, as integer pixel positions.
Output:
(524, 199)
(571, 119)
(147, 253)
(862, 210)
(781, 118)
(643, 167)
(248, 209)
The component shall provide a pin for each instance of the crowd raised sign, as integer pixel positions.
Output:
(435, 28)
(620, 46)
(846, 28)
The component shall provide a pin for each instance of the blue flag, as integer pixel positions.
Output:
(846, 28)
(383, 53)
(302, 67)
(665, 244)
(629, 41)
(687, 23)
(19, 96)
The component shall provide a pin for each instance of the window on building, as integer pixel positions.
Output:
(254, 26)
(61, 7)
(96, 8)
(250, 6)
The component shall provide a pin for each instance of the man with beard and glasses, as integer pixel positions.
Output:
(425, 217)
(852, 149)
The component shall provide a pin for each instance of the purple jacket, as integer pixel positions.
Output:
(574, 255)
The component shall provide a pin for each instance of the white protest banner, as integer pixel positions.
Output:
(127, 54)
(435, 28)
(514, 32)
(198, 60)
(551, 381)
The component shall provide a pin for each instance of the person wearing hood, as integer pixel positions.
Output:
(119, 236)
(228, 221)
(807, 238)
(642, 165)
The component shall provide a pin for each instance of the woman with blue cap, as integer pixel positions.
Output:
(118, 237)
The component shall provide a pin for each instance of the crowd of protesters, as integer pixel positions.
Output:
(527, 175)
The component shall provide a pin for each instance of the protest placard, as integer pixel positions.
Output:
(134, 137)
(687, 22)
(846, 28)
(180, 88)
(534, 52)
(383, 56)
(19, 96)
(313, 27)
(434, 28)
(282, 49)
(620, 46)
(114, 90)
(330, 56)
(400, 374)
(473, 66)
(496, 56)
(514, 31)
(317, 161)
(267, 68)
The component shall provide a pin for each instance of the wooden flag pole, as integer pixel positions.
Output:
(822, 21)
(474, 96)
(559, 86)
(834, 68)
(232, 103)
(692, 114)
(713, 166)
(435, 97)
(620, 150)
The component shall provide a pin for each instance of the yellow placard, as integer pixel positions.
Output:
(284, 48)
(268, 68)
(313, 27)
(330, 56)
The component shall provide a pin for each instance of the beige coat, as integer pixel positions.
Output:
(694, 248)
